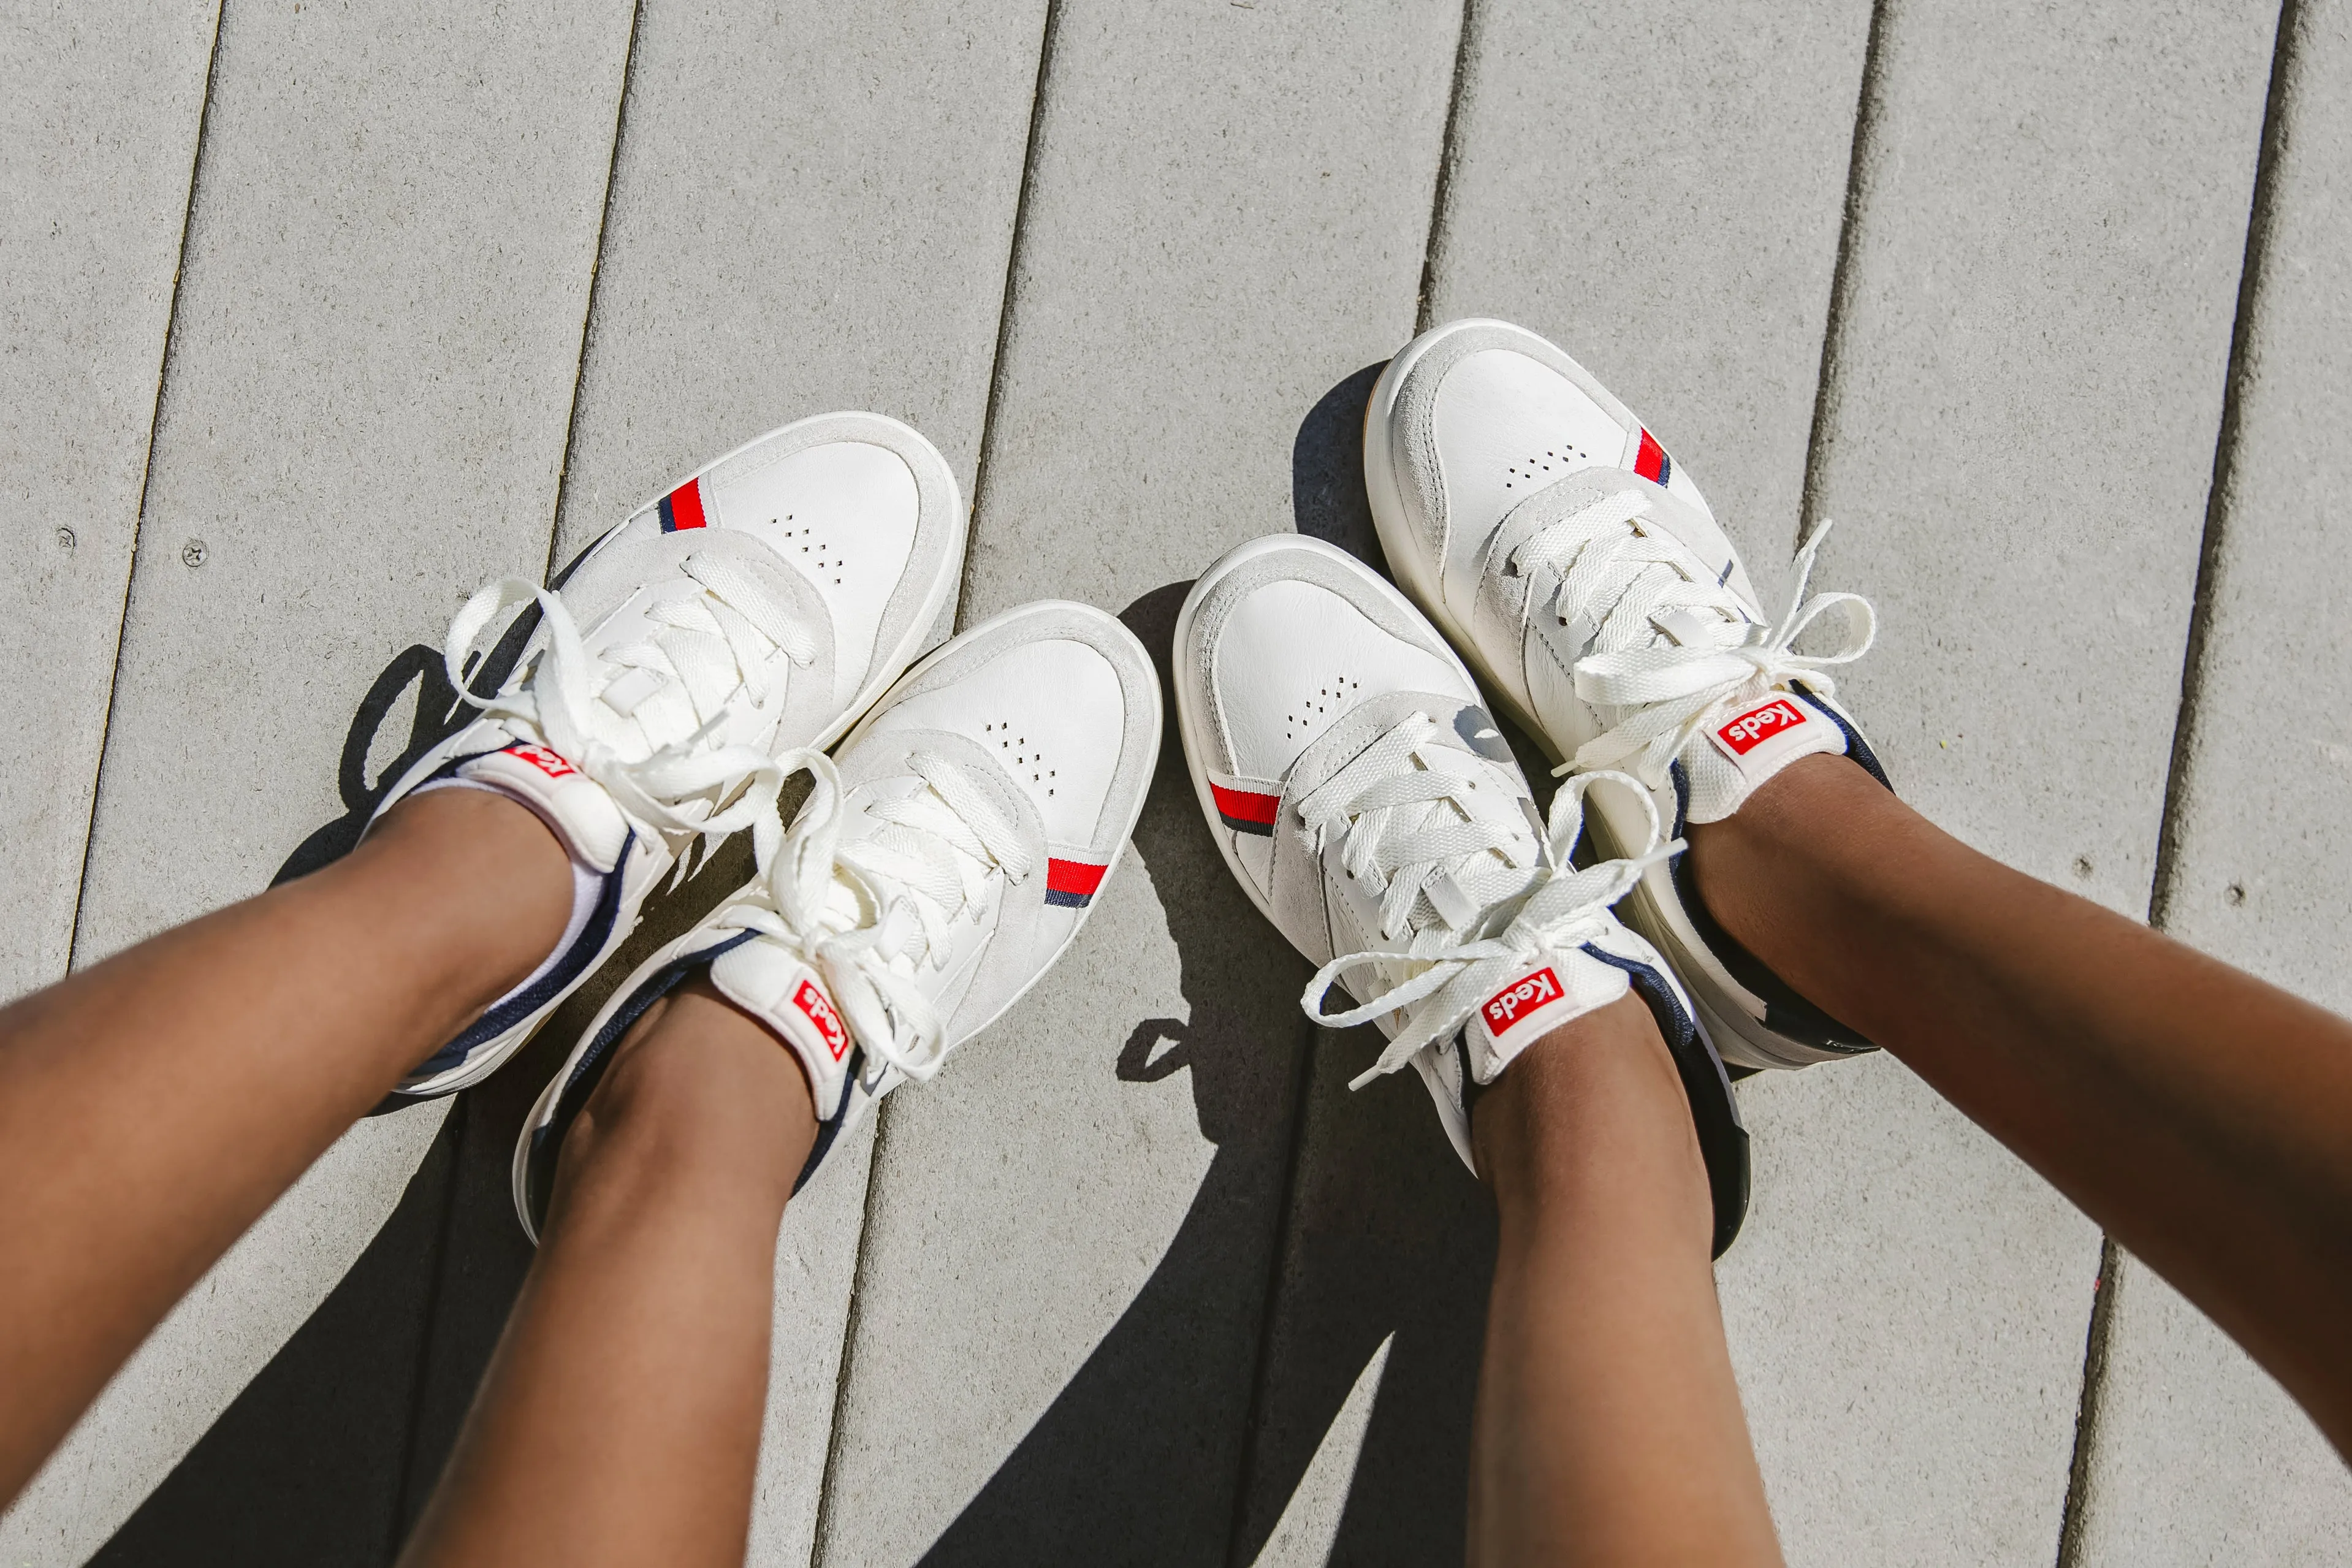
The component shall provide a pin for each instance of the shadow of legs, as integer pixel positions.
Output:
(305, 1466)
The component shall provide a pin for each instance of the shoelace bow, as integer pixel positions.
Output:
(869, 915)
(1604, 559)
(1455, 970)
(714, 651)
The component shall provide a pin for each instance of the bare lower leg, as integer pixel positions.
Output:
(152, 1106)
(2194, 1111)
(620, 1419)
(1608, 1428)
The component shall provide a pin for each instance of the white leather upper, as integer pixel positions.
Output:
(1051, 712)
(1504, 427)
(843, 516)
(1294, 656)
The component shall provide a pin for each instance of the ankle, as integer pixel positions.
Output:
(1590, 1112)
(1747, 867)
(477, 875)
(699, 1097)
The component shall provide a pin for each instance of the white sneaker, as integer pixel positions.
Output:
(1553, 540)
(941, 864)
(758, 606)
(1370, 808)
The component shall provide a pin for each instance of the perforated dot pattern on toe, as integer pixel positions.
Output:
(1318, 708)
(1020, 756)
(820, 555)
(1532, 469)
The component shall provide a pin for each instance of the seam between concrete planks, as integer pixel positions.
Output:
(2260, 222)
(146, 475)
(1015, 250)
(1449, 154)
(595, 282)
(1869, 112)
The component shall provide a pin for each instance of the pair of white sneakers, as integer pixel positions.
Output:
(720, 640)
(1366, 802)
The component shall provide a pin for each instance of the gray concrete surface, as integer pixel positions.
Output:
(1138, 1278)
(2201, 1457)
(98, 133)
(786, 202)
(2019, 432)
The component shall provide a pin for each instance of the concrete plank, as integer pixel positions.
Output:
(1227, 218)
(2019, 432)
(99, 111)
(376, 345)
(1071, 1231)
(811, 209)
(1670, 216)
(2200, 1455)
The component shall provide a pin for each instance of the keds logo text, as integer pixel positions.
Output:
(1503, 1009)
(542, 759)
(818, 1011)
(1758, 725)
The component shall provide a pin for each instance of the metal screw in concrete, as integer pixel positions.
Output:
(192, 553)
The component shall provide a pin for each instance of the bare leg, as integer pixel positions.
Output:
(1608, 1428)
(2197, 1113)
(153, 1105)
(620, 1419)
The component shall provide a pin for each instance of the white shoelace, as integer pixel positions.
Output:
(871, 915)
(714, 652)
(1667, 647)
(1454, 971)
(1424, 821)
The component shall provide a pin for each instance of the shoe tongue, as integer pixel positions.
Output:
(1742, 744)
(1532, 1001)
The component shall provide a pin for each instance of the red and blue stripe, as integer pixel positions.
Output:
(1650, 460)
(1246, 810)
(1071, 884)
(682, 508)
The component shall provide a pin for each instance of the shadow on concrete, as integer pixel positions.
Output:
(1341, 1220)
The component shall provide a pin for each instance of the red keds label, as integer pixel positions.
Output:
(1505, 1008)
(542, 759)
(1758, 725)
(818, 1011)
